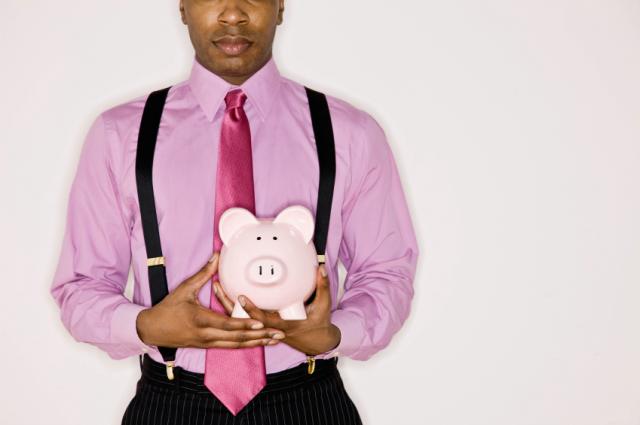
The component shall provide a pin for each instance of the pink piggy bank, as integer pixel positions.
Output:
(271, 261)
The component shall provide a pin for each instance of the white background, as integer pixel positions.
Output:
(516, 128)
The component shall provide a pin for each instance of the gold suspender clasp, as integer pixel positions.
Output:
(321, 258)
(312, 364)
(155, 261)
(170, 365)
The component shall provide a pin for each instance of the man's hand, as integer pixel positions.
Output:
(314, 335)
(179, 320)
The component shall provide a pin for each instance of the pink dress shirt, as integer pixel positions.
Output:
(370, 231)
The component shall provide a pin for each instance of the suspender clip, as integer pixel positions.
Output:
(312, 364)
(170, 365)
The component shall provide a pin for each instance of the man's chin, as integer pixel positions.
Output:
(220, 64)
(233, 71)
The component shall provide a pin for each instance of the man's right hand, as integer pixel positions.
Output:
(179, 320)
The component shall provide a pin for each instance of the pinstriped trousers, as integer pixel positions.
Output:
(290, 397)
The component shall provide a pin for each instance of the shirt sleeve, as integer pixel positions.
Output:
(378, 248)
(93, 267)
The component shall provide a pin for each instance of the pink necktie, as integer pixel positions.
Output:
(234, 375)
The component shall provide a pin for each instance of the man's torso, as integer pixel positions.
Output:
(285, 170)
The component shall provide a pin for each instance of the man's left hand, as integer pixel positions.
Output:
(313, 335)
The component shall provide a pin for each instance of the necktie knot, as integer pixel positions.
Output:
(235, 99)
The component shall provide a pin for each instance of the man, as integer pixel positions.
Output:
(292, 373)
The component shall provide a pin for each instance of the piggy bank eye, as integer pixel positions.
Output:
(275, 238)
(259, 237)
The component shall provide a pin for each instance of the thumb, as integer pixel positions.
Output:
(197, 281)
(323, 294)
(323, 279)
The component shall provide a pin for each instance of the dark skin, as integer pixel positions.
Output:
(313, 335)
(255, 20)
(179, 320)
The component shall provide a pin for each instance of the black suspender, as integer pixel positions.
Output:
(323, 132)
(149, 125)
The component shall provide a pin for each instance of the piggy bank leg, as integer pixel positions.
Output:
(239, 312)
(295, 311)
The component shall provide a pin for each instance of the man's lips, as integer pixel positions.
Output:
(232, 46)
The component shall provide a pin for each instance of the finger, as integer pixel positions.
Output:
(243, 344)
(197, 281)
(222, 297)
(323, 294)
(270, 318)
(323, 281)
(273, 319)
(251, 309)
(212, 334)
(212, 319)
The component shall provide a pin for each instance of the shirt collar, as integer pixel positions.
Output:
(210, 89)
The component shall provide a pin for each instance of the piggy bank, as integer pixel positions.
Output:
(272, 261)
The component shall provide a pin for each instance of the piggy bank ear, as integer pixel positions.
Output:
(300, 218)
(232, 220)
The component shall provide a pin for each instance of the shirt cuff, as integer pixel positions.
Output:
(351, 333)
(123, 328)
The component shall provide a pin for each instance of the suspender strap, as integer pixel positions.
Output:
(147, 137)
(325, 145)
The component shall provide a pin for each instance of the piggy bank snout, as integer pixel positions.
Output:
(266, 270)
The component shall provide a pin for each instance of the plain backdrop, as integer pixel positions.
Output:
(516, 128)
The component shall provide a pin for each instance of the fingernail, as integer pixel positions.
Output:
(277, 336)
(323, 271)
(257, 326)
(213, 257)
(242, 300)
(215, 288)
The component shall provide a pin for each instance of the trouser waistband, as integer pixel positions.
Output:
(155, 373)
